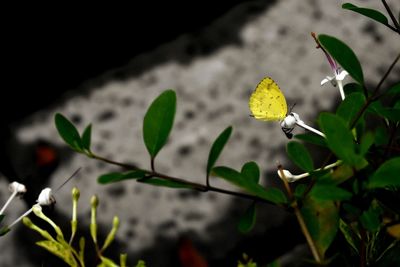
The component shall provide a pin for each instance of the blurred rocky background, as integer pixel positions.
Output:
(105, 64)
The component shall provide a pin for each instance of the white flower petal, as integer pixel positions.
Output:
(341, 75)
(327, 79)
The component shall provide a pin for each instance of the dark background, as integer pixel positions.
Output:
(49, 49)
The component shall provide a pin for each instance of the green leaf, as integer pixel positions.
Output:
(350, 88)
(312, 139)
(329, 192)
(59, 250)
(370, 219)
(300, 156)
(158, 121)
(350, 106)
(86, 137)
(338, 137)
(275, 263)
(352, 239)
(366, 142)
(368, 12)
(251, 171)
(166, 183)
(120, 176)
(2, 217)
(217, 147)
(141, 264)
(68, 132)
(386, 175)
(4, 230)
(106, 262)
(271, 194)
(381, 136)
(390, 113)
(343, 55)
(248, 220)
(322, 220)
(300, 190)
(394, 90)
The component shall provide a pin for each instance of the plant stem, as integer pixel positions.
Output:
(363, 248)
(389, 11)
(195, 186)
(123, 165)
(300, 219)
(373, 96)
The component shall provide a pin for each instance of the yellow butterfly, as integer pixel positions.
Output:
(267, 103)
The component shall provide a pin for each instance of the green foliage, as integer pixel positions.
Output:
(368, 12)
(166, 183)
(312, 139)
(300, 156)
(322, 220)
(350, 235)
(271, 194)
(4, 230)
(68, 132)
(363, 135)
(246, 262)
(251, 171)
(248, 219)
(370, 219)
(86, 137)
(343, 54)
(329, 192)
(395, 90)
(217, 147)
(158, 121)
(390, 113)
(386, 175)
(340, 139)
(74, 257)
(349, 108)
(118, 176)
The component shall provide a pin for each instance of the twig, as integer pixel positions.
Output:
(300, 218)
(195, 186)
(373, 96)
(389, 11)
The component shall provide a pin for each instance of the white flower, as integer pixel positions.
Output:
(293, 119)
(16, 189)
(337, 80)
(293, 178)
(46, 198)
(338, 73)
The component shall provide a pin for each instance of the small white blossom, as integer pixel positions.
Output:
(46, 197)
(16, 189)
(293, 178)
(293, 119)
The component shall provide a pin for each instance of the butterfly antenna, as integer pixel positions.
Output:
(72, 176)
(292, 107)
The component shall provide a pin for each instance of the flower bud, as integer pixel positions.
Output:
(17, 187)
(46, 198)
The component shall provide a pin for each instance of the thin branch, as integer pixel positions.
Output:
(373, 96)
(195, 186)
(300, 218)
(386, 74)
(391, 139)
(123, 165)
(389, 11)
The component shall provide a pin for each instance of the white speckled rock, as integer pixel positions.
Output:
(212, 93)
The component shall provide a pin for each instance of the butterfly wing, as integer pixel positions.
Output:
(267, 102)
